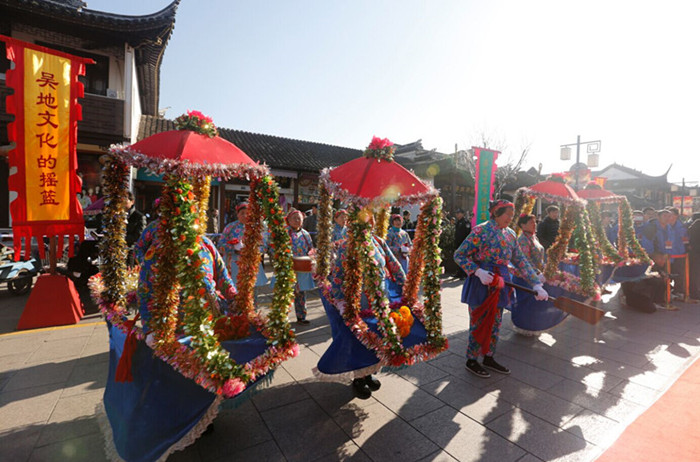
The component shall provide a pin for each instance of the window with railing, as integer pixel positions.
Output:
(96, 78)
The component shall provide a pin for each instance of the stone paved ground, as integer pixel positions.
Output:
(572, 391)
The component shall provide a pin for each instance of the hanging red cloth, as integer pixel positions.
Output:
(123, 372)
(484, 316)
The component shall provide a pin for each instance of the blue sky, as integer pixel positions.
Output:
(532, 73)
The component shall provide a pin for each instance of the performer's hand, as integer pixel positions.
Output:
(485, 277)
(541, 277)
(541, 293)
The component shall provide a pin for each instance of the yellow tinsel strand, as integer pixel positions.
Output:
(382, 222)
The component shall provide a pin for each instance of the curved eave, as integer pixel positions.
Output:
(96, 20)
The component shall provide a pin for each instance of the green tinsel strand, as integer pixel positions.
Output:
(597, 228)
(283, 293)
(325, 218)
(431, 276)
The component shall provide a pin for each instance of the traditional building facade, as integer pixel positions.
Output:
(120, 87)
(641, 190)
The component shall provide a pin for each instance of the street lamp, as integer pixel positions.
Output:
(592, 147)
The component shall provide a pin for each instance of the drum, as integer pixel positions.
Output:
(302, 264)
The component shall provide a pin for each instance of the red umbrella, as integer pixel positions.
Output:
(186, 145)
(555, 188)
(371, 178)
(596, 194)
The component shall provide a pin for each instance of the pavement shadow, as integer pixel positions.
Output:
(77, 440)
(288, 422)
(84, 374)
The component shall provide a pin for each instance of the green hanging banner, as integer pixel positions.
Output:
(484, 183)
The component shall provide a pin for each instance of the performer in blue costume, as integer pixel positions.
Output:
(346, 354)
(399, 241)
(340, 231)
(483, 255)
(231, 243)
(400, 244)
(216, 281)
(530, 245)
(301, 246)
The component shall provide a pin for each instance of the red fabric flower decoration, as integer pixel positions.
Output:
(200, 115)
(379, 143)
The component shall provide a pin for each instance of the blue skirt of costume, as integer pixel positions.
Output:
(346, 353)
(474, 292)
(538, 315)
(395, 289)
(151, 414)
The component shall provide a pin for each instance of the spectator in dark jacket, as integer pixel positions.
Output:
(311, 223)
(136, 221)
(462, 229)
(548, 229)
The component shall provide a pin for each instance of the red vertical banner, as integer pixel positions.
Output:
(43, 164)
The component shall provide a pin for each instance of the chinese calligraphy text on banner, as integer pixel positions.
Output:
(46, 110)
(484, 181)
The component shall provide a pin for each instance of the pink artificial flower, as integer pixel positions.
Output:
(200, 116)
(379, 143)
(232, 387)
(295, 350)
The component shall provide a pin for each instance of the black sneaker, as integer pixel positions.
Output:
(303, 321)
(475, 368)
(372, 383)
(360, 388)
(491, 363)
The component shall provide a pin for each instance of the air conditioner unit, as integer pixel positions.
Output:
(111, 93)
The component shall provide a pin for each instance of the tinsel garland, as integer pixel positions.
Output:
(358, 227)
(374, 288)
(201, 186)
(608, 250)
(249, 260)
(382, 222)
(628, 235)
(185, 169)
(431, 278)
(323, 238)
(113, 249)
(278, 331)
(588, 266)
(557, 251)
(197, 312)
(163, 305)
(521, 198)
(416, 261)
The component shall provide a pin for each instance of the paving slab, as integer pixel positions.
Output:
(464, 439)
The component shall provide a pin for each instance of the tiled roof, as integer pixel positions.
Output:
(633, 172)
(147, 34)
(275, 151)
(66, 11)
